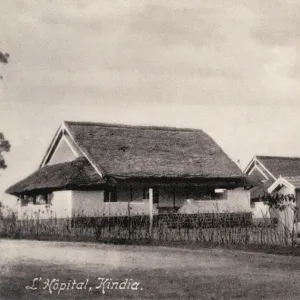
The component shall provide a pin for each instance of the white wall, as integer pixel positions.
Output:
(166, 195)
(91, 203)
(260, 210)
(66, 204)
(285, 217)
(238, 200)
(87, 203)
(121, 208)
(61, 207)
(63, 152)
(286, 191)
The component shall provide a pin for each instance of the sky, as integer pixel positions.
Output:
(231, 68)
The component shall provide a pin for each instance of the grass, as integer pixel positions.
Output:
(163, 272)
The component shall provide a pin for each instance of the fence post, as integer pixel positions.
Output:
(129, 221)
(151, 211)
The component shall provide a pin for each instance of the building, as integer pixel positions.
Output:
(97, 169)
(273, 174)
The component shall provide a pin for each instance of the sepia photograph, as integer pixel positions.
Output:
(150, 149)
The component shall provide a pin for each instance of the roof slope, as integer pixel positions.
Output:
(260, 185)
(260, 189)
(76, 173)
(280, 165)
(140, 151)
(295, 181)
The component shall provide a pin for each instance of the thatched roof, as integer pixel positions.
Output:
(291, 182)
(139, 151)
(260, 189)
(124, 152)
(287, 167)
(78, 173)
(259, 185)
(295, 181)
(281, 165)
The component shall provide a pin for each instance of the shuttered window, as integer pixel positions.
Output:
(155, 194)
(110, 195)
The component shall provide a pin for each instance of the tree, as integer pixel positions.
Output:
(4, 147)
(3, 59)
(4, 144)
(279, 201)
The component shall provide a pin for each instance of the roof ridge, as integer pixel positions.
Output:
(129, 126)
(281, 157)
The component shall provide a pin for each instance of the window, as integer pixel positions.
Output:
(187, 192)
(24, 200)
(36, 199)
(110, 195)
(220, 194)
(215, 194)
(191, 192)
(40, 199)
(145, 193)
(155, 194)
(197, 193)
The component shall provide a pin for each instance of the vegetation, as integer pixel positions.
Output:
(279, 201)
(201, 229)
(4, 147)
(4, 144)
(4, 57)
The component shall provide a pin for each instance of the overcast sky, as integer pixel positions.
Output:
(231, 68)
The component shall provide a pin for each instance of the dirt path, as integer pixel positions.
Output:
(163, 273)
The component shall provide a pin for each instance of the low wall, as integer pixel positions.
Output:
(87, 203)
(126, 208)
(91, 203)
(238, 200)
(60, 207)
(66, 204)
(260, 210)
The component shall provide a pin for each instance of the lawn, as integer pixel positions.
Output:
(147, 272)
